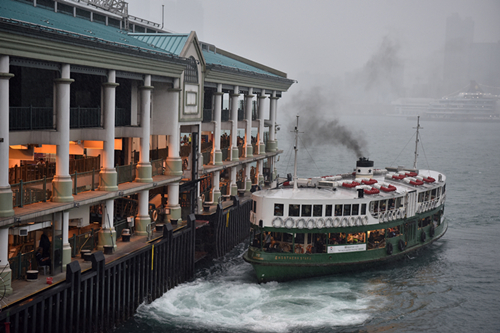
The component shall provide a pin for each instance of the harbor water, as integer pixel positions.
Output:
(451, 286)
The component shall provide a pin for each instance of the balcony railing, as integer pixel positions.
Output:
(31, 118)
(85, 117)
(27, 118)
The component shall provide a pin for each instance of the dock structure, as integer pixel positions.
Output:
(127, 153)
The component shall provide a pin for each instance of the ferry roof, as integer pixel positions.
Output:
(312, 194)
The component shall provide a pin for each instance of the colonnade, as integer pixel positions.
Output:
(62, 184)
(248, 147)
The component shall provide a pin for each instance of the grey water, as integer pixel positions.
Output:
(451, 286)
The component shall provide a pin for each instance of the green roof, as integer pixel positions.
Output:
(48, 20)
(216, 59)
(172, 43)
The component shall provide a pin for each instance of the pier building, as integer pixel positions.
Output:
(111, 125)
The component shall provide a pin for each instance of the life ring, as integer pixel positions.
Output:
(298, 248)
(320, 223)
(345, 222)
(336, 222)
(289, 223)
(310, 224)
(423, 236)
(401, 245)
(432, 231)
(309, 248)
(300, 223)
(329, 222)
(365, 220)
(359, 221)
(277, 222)
(154, 215)
(388, 248)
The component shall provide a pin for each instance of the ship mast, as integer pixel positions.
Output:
(295, 148)
(416, 142)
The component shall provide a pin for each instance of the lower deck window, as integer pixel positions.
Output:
(376, 239)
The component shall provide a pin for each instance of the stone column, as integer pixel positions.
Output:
(173, 204)
(248, 179)
(66, 247)
(216, 152)
(260, 174)
(233, 190)
(107, 234)
(260, 135)
(272, 144)
(235, 155)
(174, 162)
(5, 271)
(142, 220)
(5, 190)
(216, 187)
(62, 184)
(248, 119)
(108, 180)
(144, 174)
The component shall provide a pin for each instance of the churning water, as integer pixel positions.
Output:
(452, 286)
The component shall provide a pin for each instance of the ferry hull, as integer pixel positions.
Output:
(289, 266)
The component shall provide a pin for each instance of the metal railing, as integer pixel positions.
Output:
(85, 117)
(126, 173)
(21, 263)
(25, 193)
(157, 167)
(31, 118)
(85, 241)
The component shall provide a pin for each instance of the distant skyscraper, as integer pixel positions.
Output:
(457, 52)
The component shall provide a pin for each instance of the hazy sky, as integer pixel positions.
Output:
(318, 37)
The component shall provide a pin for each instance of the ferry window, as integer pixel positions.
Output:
(376, 239)
(421, 197)
(336, 238)
(391, 204)
(318, 210)
(393, 232)
(328, 210)
(363, 209)
(433, 194)
(382, 205)
(427, 195)
(374, 206)
(444, 189)
(338, 210)
(355, 209)
(278, 209)
(306, 210)
(399, 202)
(424, 222)
(294, 210)
(347, 210)
(319, 243)
(255, 206)
(355, 238)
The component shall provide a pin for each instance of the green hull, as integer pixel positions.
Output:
(274, 266)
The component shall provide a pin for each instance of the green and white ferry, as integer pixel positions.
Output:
(325, 225)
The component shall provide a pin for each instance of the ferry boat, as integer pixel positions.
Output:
(309, 227)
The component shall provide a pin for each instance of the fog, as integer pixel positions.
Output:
(347, 56)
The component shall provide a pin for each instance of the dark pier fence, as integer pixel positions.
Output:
(228, 227)
(106, 295)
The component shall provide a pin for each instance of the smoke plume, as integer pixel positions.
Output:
(318, 124)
